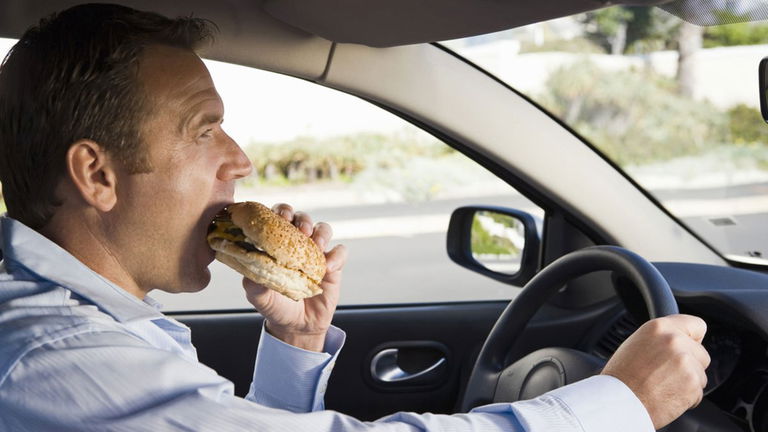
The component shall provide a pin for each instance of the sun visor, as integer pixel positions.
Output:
(246, 29)
(385, 23)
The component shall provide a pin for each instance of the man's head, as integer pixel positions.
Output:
(72, 77)
(111, 144)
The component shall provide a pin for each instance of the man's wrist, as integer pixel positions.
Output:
(307, 341)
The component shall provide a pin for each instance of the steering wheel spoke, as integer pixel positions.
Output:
(544, 370)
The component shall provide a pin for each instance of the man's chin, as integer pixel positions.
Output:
(200, 285)
(193, 285)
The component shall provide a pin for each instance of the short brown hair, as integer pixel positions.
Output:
(75, 76)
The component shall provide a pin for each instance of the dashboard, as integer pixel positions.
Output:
(738, 374)
(734, 303)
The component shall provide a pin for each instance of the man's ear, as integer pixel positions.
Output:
(93, 174)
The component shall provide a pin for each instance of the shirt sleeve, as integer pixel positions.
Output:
(597, 404)
(110, 381)
(300, 387)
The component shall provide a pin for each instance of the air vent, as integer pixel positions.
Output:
(618, 333)
(722, 221)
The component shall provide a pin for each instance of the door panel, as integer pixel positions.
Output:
(459, 328)
(227, 343)
(422, 334)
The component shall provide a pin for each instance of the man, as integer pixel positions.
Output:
(113, 162)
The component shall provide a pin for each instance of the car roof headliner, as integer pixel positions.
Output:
(378, 23)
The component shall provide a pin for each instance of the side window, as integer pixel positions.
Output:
(385, 186)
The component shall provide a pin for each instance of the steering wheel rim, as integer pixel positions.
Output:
(489, 365)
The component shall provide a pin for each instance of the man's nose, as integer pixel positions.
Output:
(236, 164)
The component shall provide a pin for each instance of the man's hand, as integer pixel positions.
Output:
(664, 364)
(303, 323)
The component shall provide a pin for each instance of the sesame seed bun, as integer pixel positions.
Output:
(269, 250)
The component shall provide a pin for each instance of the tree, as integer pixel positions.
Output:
(689, 40)
(630, 29)
(645, 29)
(608, 28)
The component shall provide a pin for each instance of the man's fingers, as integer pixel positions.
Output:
(322, 235)
(703, 378)
(303, 222)
(701, 355)
(258, 295)
(284, 210)
(699, 394)
(698, 400)
(693, 326)
(335, 259)
(299, 219)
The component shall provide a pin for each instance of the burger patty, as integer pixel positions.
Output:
(227, 230)
(247, 246)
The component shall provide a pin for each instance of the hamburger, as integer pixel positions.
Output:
(267, 249)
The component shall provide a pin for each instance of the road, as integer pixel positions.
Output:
(397, 251)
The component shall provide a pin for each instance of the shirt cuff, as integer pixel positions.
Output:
(597, 404)
(291, 378)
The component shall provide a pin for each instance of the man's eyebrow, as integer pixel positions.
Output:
(204, 119)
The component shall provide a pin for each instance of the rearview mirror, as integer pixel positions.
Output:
(497, 242)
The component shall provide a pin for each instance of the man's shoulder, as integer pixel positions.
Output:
(33, 314)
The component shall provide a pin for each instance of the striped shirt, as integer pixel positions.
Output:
(78, 353)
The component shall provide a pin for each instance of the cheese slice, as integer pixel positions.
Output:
(226, 230)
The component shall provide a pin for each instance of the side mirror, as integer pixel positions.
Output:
(762, 70)
(497, 242)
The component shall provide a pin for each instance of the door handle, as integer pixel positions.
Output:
(384, 368)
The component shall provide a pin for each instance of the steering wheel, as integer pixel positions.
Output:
(494, 381)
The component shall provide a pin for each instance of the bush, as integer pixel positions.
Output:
(735, 34)
(747, 125)
(424, 178)
(633, 116)
(742, 32)
(340, 158)
(483, 242)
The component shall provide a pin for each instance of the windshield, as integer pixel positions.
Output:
(674, 105)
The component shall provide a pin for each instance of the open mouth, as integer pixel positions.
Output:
(214, 213)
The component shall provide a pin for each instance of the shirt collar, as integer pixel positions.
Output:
(25, 249)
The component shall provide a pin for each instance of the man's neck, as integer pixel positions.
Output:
(83, 236)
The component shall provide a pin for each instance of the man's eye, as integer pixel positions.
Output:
(207, 134)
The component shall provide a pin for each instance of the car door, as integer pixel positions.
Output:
(415, 321)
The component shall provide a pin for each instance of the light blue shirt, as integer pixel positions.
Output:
(78, 353)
